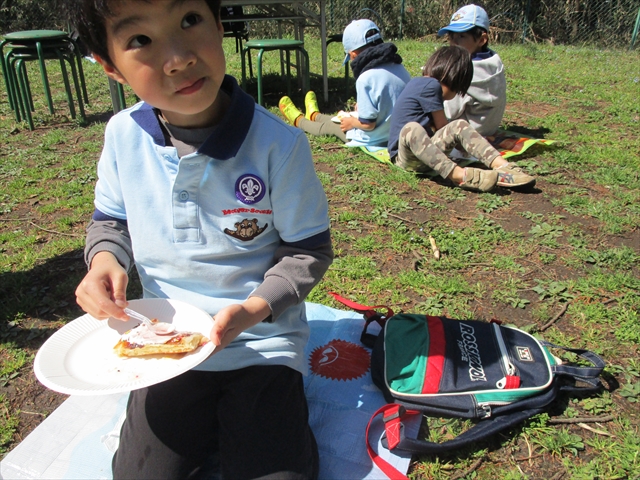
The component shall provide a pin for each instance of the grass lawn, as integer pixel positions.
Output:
(561, 260)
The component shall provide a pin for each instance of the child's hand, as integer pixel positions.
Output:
(231, 321)
(348, 122)
(103, 291)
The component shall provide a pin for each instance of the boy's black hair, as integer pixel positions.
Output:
(451, 66)
(88, 17)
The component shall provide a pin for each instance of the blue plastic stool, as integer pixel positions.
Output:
(283, 45)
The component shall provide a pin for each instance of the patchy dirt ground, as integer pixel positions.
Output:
(34, 402)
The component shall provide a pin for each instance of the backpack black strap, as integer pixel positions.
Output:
(395, 439)
(586, 375)
(370, 315)
(480, 431)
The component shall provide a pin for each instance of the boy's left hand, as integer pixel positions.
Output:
(231, 321)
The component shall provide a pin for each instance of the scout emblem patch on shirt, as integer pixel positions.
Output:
(246, 229)
(250, 189)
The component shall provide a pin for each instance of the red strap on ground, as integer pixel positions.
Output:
(386, 467)
(392, 425)
(364, 309)
(389, 410)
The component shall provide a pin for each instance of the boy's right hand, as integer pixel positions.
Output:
(103, 291)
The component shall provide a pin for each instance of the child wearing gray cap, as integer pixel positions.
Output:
(484, 104)
(380, 78)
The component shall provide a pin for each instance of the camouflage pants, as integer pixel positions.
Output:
(322, 126)
(417, 152)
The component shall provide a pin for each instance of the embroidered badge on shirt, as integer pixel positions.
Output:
(246, 229)
(250, 189)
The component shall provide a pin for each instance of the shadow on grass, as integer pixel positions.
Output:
(35, 303)
(529, 132)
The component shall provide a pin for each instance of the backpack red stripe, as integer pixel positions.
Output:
(435, 362)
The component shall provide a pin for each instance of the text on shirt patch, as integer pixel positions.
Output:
(235, 211)
(250, 189)
(246, 229)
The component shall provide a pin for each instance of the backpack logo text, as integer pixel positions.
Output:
(470, 353)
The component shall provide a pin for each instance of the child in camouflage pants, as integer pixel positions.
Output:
(421, 138)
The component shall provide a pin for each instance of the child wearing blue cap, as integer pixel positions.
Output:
(484, 104)
(380, 78)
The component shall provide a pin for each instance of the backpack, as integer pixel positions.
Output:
(438, 366)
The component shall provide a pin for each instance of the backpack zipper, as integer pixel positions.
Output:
(509, 369)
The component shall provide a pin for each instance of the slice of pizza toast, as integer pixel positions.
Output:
(141, 341)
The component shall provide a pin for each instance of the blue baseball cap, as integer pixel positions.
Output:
(465, 19)
(354, 36)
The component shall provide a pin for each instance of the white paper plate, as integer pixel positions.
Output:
(341, 115)
(79, 359)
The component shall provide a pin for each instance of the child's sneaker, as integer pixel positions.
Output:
(289, 110)
(478, 180)
(510, 175)
(310, 105)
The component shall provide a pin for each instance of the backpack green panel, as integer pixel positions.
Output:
(406, 352)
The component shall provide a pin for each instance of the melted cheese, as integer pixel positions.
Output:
(142, 335)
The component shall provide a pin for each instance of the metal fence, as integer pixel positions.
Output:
(598, 23)
(601, 23)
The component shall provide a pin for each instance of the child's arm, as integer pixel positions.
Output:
(349, 122)
(102, 292)
(108, 254)
(231, 321)
(298, 268)
(439, 119)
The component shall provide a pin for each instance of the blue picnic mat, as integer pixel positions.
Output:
(78, 439)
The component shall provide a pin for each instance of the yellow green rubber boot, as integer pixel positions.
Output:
(310, 105)
(289, 110)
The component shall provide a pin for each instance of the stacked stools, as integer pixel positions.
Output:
(40, 45)
(282, 45)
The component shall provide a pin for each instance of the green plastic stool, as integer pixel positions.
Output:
(40, 45)
(283, 45)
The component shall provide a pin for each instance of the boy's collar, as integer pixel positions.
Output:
(482, 55)
(230, 133)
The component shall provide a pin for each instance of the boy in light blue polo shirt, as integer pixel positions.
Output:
(216, 203)
(380, 78)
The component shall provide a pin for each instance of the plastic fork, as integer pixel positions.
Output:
(161, 328)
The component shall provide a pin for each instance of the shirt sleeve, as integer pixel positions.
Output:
(430, 98)
(298, 268)
(455, 108)
(108, 235)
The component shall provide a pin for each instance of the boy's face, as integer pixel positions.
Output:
(170, 53)
(466, 41)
